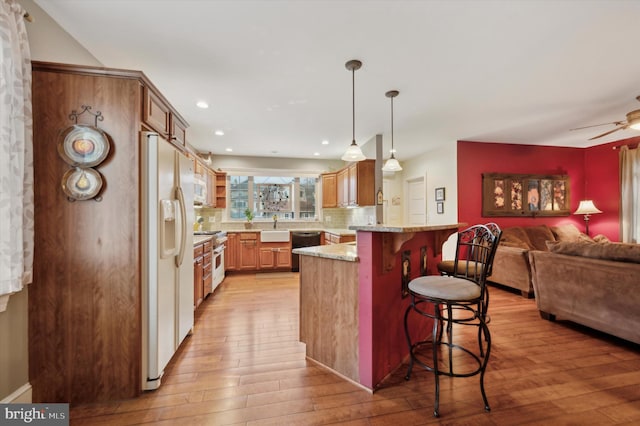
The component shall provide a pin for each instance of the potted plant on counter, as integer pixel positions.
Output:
(249, 215)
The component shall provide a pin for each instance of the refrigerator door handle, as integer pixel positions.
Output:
(183, 226)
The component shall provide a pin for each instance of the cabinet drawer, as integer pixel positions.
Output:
(198, 251)
(207, 246)
(206, 258)
(206, 270)
(248, 236)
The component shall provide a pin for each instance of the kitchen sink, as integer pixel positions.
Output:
(274, 236)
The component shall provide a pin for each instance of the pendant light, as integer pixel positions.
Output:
(392, 164)
(354, 153)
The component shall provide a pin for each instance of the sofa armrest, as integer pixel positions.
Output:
(511, 269)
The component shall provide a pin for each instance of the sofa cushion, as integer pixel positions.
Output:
(567, 232)
(538, 236)
(515, 236)
(621, 252)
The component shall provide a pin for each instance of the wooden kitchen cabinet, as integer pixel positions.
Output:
(329, 190)
(342, 184)
(353, 185)
(361, 178)
(275, 255)
(231, 253)
(160, 117)
(79, 350)
(248, 251)
(221, 190)
(331, 238)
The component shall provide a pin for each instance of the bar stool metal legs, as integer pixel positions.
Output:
(455, 304)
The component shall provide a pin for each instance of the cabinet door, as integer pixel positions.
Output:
(178, 130)
(231, 253)
(267, 257)
(329, 190)
(365, 182)
(248, 256)
(155, 113)
(342, 179)
(352, 173)
(283, 257)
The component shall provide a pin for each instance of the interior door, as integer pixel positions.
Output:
(416, 202)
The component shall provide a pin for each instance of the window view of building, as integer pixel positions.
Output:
(284, 197)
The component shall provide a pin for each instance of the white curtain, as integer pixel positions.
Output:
(16, 152)
(630, 195)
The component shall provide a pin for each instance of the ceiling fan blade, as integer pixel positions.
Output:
(617, 123)
(608, 133)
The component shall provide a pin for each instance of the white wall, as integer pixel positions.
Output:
(440, 168)
(49, 42)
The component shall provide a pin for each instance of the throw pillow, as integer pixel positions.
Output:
(539, 235)
(515, 236)
(601, 239)
(566, 232)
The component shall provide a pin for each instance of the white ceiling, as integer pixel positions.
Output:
(273, 71)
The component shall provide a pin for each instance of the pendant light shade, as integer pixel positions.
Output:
(392, 164)
(354, 153)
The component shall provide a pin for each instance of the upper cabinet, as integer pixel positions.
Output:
(353, 185)
(216, 195)
(159, 116)
(329, 190)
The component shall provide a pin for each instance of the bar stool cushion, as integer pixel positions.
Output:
(445, 288)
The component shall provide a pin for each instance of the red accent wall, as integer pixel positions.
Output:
(593, 172)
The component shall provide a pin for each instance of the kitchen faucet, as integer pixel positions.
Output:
(275, 221)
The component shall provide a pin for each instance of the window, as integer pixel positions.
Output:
(285, 197)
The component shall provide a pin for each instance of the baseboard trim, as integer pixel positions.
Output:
(22, 395)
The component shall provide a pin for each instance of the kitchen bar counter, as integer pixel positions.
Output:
(351, 312)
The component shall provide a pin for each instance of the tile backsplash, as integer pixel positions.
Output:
(332, 218)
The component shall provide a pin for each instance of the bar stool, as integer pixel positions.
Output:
(457, 299)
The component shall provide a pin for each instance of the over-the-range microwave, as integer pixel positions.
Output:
(199, 190)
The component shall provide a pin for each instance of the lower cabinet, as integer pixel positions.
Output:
(330, 238)
(202, 272)
(245, 252)
(248, 251)
(275, 255)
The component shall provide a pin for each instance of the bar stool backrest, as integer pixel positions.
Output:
(475, 252)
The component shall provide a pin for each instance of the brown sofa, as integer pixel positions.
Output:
(593, 284)
(511, 263)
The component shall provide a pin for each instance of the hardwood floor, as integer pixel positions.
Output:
(244, 366)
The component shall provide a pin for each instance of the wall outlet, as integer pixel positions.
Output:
(212, 219)
(327, 218)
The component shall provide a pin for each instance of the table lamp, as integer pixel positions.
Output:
(587, 208)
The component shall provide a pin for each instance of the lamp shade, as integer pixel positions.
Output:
(391, 165)
(587, 207)
(353, 153)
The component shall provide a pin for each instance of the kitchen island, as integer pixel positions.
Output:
(352, 301)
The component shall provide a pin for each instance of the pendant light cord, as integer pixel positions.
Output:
(353, 105)
(392, 151)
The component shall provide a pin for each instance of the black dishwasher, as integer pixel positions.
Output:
(302, 239)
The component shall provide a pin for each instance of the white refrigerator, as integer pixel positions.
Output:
(167, 246)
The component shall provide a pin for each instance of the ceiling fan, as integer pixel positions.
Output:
(632, 121)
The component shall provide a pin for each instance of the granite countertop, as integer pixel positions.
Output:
(347, 252)
(406, 229)
(199, 239)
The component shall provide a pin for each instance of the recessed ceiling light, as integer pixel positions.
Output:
(325, 142)
(202, 104)
(219, 133)
(316, 153)
(228, 149)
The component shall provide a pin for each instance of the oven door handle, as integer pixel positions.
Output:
(218, 249)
